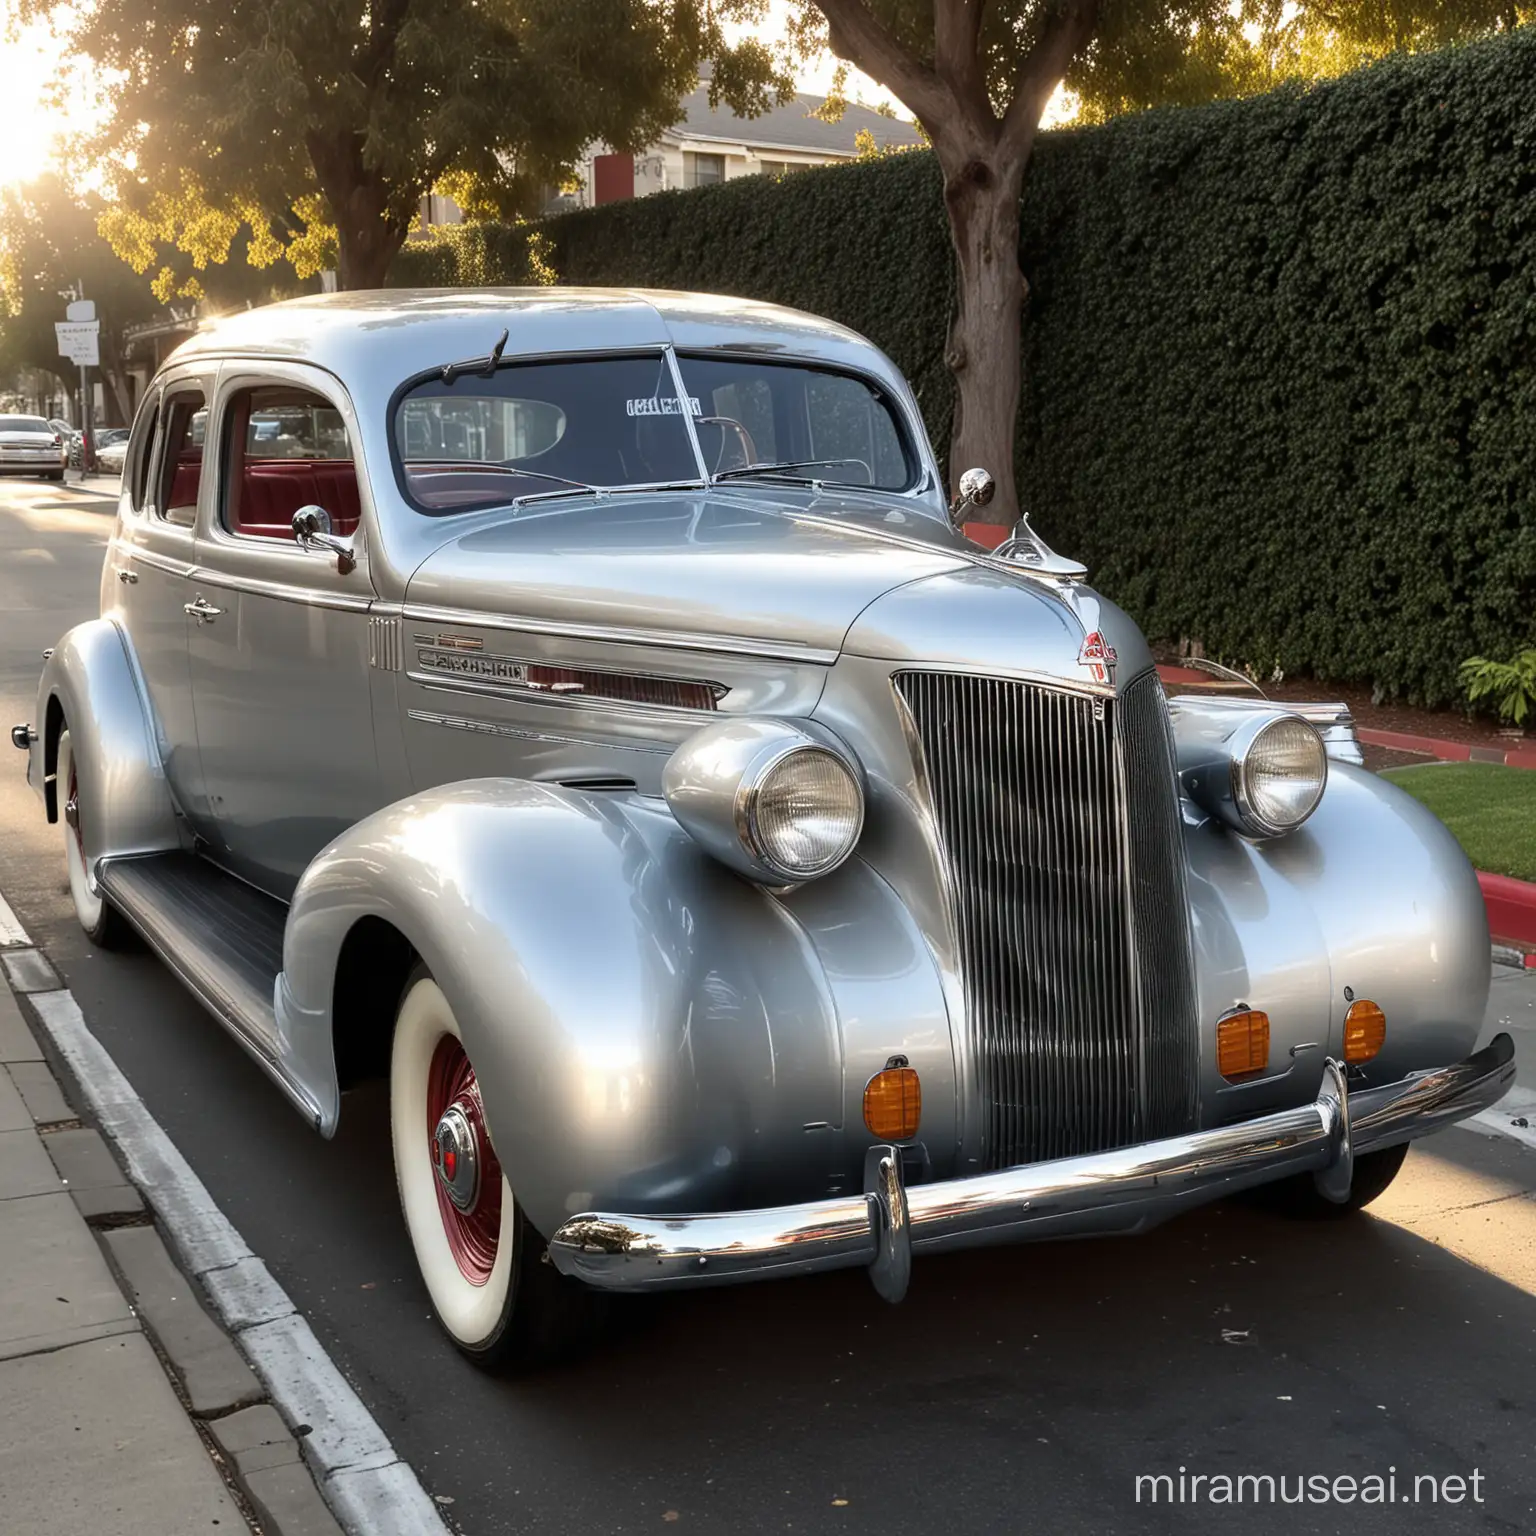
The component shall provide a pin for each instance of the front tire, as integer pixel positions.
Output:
(103, 924)
(1298, 1197)
(481, 1261)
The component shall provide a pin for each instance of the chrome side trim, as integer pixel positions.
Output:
(284, 591)
(157, 561)
(386, 649)
(496, 728)
(677, 640)
(437, 682)
(1122, 1191)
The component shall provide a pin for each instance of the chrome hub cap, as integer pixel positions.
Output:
(456, 1158)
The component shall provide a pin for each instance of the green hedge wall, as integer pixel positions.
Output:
(1280, 354)
(1281, 364)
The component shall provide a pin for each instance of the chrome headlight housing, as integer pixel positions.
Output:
(780, 802)
(1279, 775)
(1263, 776)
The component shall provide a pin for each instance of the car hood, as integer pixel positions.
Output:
(713, 566)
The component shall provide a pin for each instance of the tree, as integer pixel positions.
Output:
(48, 244)
(318, 125)
(977, 75)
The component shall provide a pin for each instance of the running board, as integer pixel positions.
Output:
(221, 937)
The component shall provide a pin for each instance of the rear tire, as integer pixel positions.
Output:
(483, 1266)
(104, 925)
(1298, 1198)
(54, 474)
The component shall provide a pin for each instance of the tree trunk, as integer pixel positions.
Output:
(365, 252)
(368, 233)
(983, 351)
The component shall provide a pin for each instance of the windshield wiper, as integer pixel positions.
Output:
(779, 468)
(484, 367)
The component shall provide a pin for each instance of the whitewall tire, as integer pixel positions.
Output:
(479, 1259)
(102, 924)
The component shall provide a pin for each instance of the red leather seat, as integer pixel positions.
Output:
(189, 470)
(272, 490)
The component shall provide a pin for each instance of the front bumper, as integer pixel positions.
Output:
(1122, 1191)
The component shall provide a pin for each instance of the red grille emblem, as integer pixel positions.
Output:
(1098, 655)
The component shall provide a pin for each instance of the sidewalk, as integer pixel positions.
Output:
(124, 1410)
(91, 485)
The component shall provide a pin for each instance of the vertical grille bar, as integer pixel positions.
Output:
(1059, 819)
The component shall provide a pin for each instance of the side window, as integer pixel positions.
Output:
(136, 477)
(285, 448)
(184, 415)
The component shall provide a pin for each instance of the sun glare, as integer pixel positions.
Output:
(34, 130)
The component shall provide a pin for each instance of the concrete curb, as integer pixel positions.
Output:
(340, 1457)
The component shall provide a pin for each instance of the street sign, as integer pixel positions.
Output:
(80, 309)
(78, 341)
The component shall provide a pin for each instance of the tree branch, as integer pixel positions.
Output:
(856, 36)
(956, 35)
(1067, 31)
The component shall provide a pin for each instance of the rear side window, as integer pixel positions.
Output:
(137, 476)
(184, 420)
(285, 448)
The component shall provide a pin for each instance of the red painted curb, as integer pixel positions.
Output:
(1430, 746)
(988, 535)
(1511, 907)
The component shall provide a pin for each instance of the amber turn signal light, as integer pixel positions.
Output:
(1365, 1031)
(1242, 1044)
(893, 1104)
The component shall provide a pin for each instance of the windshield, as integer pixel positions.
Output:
(564, 425)
(818, 425)
(24, 424)
(536, 428)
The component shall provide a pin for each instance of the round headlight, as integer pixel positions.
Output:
(779, 801)
(802, 814)
(1279, 777)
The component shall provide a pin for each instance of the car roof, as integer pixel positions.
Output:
(400, 332)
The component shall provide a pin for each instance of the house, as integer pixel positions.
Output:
(712, 144)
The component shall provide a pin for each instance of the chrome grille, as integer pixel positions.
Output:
(1059, 819)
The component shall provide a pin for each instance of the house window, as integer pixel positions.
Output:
(703, 170)
(773, 167)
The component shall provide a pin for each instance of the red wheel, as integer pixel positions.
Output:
(468, 1174)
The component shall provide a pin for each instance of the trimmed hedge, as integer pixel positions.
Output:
(1280, 354)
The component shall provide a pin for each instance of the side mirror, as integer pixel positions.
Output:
(312, 531)
(977, 488)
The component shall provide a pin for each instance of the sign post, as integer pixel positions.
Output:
(80, 340)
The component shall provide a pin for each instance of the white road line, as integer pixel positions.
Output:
(371, 1491)
(11, 932)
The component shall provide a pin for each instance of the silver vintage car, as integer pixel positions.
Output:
(581, 708)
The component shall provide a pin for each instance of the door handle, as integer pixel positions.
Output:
(204, 612)
(127, 577)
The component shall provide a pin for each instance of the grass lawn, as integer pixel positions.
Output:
(1490, 808)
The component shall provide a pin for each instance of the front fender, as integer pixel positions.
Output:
(650, 1032)
(91, 684)
(1372, 895)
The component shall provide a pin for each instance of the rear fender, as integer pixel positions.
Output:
(91, 684)
(649, 1031)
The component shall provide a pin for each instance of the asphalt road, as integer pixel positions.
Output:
(1016, 1390)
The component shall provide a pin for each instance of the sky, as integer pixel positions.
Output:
(30, 127)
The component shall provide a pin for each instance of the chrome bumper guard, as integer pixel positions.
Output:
(1107, 1192)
